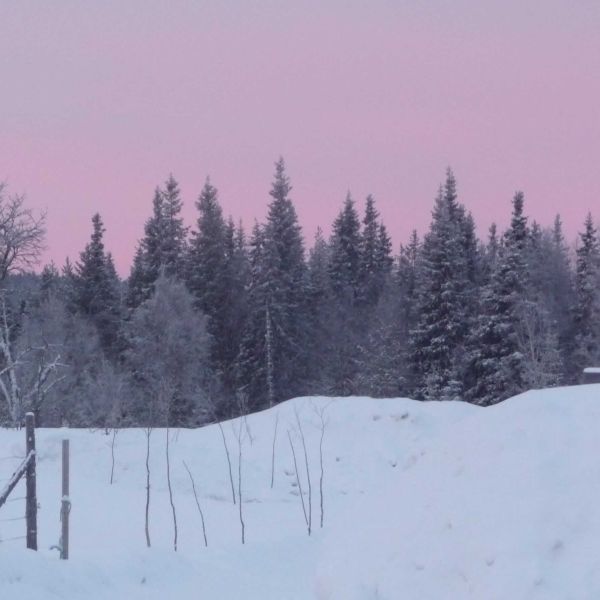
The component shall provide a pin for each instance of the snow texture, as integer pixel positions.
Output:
(423, 501)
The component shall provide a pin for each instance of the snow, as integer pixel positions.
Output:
(422, 501)
(592, 370)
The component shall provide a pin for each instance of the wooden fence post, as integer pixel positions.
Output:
(31, 501)
(66, 502)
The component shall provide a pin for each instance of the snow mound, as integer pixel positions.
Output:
(421, 501)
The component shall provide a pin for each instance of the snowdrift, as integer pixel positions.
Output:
(421, 501)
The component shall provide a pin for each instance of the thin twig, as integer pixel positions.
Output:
(307, 470)
(240, 481)
(147, 527)
(273, 452)
(171, 494)
(297, 477)
(197, 503)
(228, 462)
(112, 454)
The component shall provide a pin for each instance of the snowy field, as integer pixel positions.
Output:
(421, 501)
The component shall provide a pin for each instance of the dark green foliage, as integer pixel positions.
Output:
(273, 358)
(586, 309)
(443, 299)
(163, 247)
(96, 289)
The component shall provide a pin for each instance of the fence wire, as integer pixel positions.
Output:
(10, 519)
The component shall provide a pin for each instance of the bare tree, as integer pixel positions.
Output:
(112, 454)
(298, 482)
(323, 423)
(16, 356)
(301, 431)
(240, 441)
(197, 503)
(148, 432)
(22, 235)
(273, 451)
(170, 487)
(228, 461)
(243, 424)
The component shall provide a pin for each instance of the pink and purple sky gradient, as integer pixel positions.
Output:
(100, 101)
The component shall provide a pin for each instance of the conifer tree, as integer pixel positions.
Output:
(96, 288)
(320, 311)
(496, 365)
(375, 257)
(443, 300)
(273, 360)
(216, 278)
(586, 311)
(345, 324)
(344, 269)
(163, 247)
(50, 281)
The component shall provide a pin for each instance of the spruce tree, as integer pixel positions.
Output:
(216, 278)
(345, 246)
(321, 309)
(586, 310)
(163, 247)
(375, 257)
(443, 300)
(496, 364)
(273, 359)
(345, 324)
(96, 288)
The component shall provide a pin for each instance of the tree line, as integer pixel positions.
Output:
(213, 321)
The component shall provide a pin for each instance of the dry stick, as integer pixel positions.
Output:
(297, 477)
(228, 462)
(273, 454)
(197, 502)
(171, 494)
(240, 482)
(321, 462)
(148, 434)
(112, 453)
(307, 472)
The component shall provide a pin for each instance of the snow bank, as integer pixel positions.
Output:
(422, 500)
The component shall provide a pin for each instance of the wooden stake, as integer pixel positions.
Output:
(31, 502)
(66, 502)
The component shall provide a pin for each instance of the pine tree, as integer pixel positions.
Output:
(235, 305)
(163, 247)
(550, 293)
(375, 261)
(216, 278)
(345, 325)
(96, 288)
(586, 311)
(344, 269)
(173, 246)
(273, 361)
(206, 259)
(369, 244)
(50, 281)
(320, 311)
(443, 300)
(496, 364)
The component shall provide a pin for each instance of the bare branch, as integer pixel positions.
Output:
(228, 461)
(197, 503)
(22, 235)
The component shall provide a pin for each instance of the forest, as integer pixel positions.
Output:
(214, 321)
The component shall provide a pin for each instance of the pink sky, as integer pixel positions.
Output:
(102, 100)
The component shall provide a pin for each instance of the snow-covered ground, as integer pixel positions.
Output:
(422, 501)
